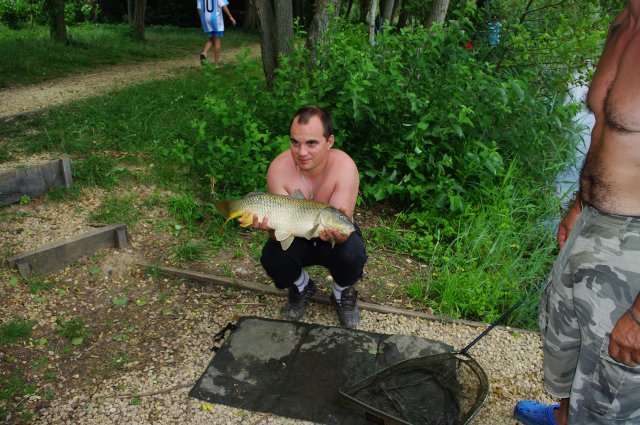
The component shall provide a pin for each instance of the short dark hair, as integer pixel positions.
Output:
(304, 114)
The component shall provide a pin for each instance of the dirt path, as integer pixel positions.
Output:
(36, 97)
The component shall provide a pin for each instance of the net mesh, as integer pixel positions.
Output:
(443, 389)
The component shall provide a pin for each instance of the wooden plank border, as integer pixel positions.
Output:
(54, 256)
(271, 290)
(35, 180)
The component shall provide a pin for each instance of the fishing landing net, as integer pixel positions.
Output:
(441, 389)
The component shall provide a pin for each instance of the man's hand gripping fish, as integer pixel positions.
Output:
(288, 216)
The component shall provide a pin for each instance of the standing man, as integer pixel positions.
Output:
(590, 309)
(212, 22)
(324, 174)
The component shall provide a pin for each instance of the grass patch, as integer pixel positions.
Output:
(123, 135)
(73, 330)
(28, 55)
(190, 251)
(15, 330)
(12, 388)
(116, 209)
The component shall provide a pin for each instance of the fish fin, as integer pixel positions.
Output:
(285, 237)
(223, 206)
(333, 243)
(247, 219)
(254, 194)
(286, 243)
(282, 234)
(297, 194)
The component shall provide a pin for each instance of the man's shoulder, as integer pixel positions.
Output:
(342, 158)
(282, 160)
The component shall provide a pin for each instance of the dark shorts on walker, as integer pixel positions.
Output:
(215, 34)
(594, 281)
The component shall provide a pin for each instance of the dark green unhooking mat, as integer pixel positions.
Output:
(296, 369)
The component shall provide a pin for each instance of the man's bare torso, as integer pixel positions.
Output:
(610, 179)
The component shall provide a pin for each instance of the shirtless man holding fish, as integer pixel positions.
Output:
(324, 174)
(590, 309)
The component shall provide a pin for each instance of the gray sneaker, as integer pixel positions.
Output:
(347, 307)
(297, 304)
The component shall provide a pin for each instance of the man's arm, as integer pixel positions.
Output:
(344, 196)
(624, 345)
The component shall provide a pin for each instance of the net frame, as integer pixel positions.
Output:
(461, 359)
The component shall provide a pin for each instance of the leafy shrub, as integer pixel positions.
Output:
(426, 121)
(15, 13)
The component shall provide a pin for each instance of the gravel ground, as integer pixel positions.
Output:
(139, 361)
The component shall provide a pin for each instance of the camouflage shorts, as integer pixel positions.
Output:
(593, 282)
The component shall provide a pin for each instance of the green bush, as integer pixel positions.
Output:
(426, 121)
(16, 13)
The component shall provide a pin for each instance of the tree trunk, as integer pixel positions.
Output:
(267, 41)
(250, 16)
(387, 11)
(57, 24)
(403, 18)
(372, 21)
(324, 11)
(364, 8)
(438, 12)
(396, 6)
(138, 31)
(348, 12)
(130, 12)
(284, 26)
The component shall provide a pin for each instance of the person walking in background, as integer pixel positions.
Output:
(212, 21)
(590, 308)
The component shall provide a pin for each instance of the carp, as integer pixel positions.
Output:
(288, 216)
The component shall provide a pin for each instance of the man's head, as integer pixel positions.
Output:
(311, 135)
(304, 114)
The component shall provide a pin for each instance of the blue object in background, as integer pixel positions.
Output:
(493, 32)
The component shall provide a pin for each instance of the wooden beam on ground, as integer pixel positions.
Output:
(271, 290)
(34, 181)
(55, 256)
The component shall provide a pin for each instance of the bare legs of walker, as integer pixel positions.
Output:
(216, 43)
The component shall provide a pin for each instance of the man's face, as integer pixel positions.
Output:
(309, 147)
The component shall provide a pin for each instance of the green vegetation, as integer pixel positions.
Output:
(15, 330)
(116, 209)
(27, 56)
(73, 330)
(461, 145)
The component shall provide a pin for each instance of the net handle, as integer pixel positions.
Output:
(500, 319)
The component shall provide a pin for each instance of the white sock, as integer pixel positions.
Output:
(337, 291)
(302, 281)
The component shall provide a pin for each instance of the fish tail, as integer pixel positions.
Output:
(225, 208)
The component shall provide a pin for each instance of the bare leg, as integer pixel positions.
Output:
(562, 414)
(207, 46)
(216, 51)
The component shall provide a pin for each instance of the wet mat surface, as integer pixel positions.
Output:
(296, 369)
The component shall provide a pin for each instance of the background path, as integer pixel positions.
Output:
(32, 98)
